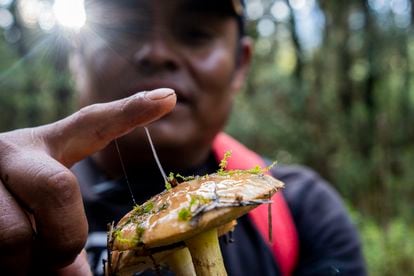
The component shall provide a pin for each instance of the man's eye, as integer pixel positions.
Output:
(197, 35)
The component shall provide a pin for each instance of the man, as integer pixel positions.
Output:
(198, 51)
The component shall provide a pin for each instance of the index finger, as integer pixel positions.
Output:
(93, 127)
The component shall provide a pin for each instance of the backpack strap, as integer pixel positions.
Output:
(285, 245)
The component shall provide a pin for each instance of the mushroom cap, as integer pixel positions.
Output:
(190, 208)
(130, 261)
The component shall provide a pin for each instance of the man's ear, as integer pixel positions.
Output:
(242, 63)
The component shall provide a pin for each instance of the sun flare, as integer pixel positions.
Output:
(70, 13)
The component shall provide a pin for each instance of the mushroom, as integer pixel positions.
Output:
(176, 256)
(187, 216)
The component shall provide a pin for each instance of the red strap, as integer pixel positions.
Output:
(285, 246)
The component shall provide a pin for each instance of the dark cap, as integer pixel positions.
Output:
(233, 7)
(236, 7)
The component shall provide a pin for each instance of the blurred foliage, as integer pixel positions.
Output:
(388, 249)
(33, 88)
(346, 109)
(342, 103)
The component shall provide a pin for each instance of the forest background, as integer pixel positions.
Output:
(331, 87)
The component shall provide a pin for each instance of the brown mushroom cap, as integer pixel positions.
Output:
(128, 262)
(190, 208)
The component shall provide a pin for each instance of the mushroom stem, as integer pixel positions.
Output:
(180, 262)
(206, 254)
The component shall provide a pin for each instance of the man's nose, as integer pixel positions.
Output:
(156, 55)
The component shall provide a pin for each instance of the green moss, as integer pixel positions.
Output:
(172, 180)
(137, 209)
(255, 170)
(184, 214)
(168, 186)
(192, 201)
(164, 206)
(146, 208)
(129, 242)
(268, 168)
(197, 199)
(170, 177)
(223, 163)
(184, 178)
(116, 233)
(140, 232)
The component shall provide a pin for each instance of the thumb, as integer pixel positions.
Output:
(93, 127)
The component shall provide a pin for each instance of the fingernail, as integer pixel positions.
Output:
(159, 94)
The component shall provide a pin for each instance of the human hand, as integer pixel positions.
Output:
(43, 226)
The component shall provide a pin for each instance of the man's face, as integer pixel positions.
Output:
(173, 44)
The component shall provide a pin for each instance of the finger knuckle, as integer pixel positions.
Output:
(86, 111)
(90, 116)
(60, 187)
(87, 115)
